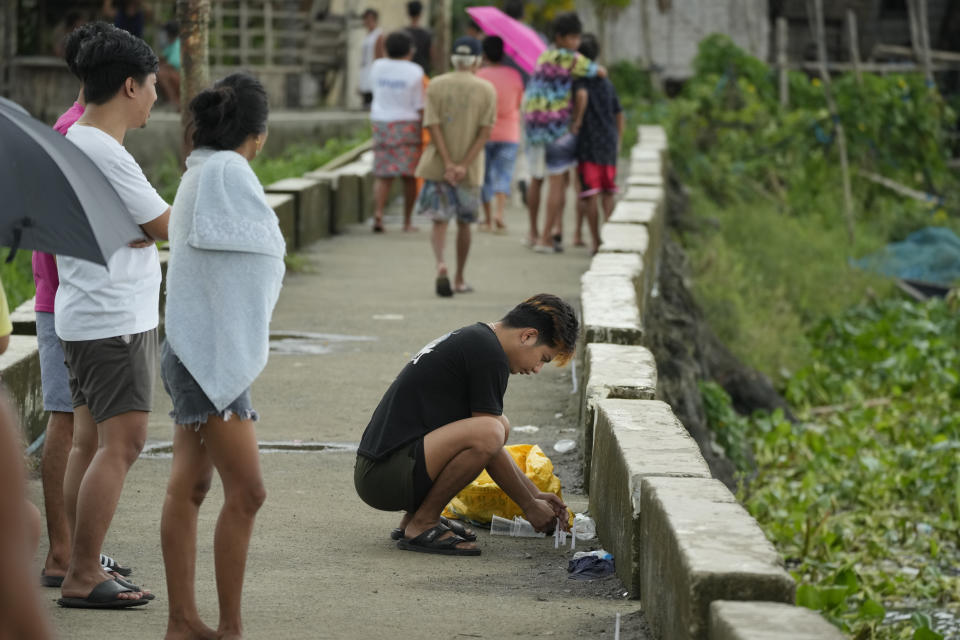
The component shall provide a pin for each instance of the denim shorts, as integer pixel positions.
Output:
(553, 158)
(191, 406)
(54, 377)
(443, 201)
(498, 174)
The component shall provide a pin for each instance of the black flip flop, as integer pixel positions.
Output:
(103, 596)
(454, 525)
(444, 290)
(133, 587)
(113, 566)
(430, 542)
(50, 581)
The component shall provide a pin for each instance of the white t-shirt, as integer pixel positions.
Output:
(93, 302)
(367, 53)
(397, 90)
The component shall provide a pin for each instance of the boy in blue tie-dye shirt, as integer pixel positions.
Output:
(547, 107)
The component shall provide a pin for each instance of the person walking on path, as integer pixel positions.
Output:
(422, 38)
(106, 317)
(371, 49)
(223, 228)
(551, 146)
(598, 123)
(501, 150)
(395, 116)
(441, 423)
(460, 112)
(54, 379)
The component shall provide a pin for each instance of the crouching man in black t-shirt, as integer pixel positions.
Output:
(441, 423)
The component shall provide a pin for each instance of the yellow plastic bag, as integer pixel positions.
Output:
(482, 498)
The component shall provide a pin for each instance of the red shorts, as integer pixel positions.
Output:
(595, 178)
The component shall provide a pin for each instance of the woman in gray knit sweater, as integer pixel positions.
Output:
(226, 261)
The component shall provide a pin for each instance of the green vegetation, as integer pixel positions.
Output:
(17, 277)
(862, 494)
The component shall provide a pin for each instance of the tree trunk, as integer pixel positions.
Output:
(194, 18)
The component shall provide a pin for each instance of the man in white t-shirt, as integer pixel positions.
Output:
(107, 318)
(395, 118)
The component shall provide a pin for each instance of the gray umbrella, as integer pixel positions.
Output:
(53, 198)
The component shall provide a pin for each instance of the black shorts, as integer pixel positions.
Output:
(398, 482)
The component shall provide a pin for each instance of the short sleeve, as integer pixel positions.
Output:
(487, 384)
(141, 199)
(431, 114)
(583, 67)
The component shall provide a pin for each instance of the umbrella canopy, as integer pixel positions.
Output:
(54, 198)
(520, 42)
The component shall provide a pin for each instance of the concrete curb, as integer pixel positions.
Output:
(680, 538)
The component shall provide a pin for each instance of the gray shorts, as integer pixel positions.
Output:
(398, 482)
(54, 378)
(112, 375)
(191, 406)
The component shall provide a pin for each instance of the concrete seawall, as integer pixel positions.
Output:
(683, 544)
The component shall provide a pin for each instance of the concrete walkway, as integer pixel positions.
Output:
(321, 564)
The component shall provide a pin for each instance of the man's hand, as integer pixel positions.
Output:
(575, 127)
(454, 173)
(142, 243)
(601, 71)
(541, 515)
(559, 508)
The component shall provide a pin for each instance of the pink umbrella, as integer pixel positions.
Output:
(520, 42)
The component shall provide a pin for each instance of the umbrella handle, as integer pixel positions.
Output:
(17, 235)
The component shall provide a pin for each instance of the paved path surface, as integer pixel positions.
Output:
(321, 564)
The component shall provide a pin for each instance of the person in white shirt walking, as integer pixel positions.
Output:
(395, 117)
(371, 49)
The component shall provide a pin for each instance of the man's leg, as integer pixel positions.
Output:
(189, 482)
(500, 200)
(533, 207)
(455, 454)
(409, 199)
(608, 203)
(438, 240)
(232, 445)
(121, 440)
(381, 190)
(53, 466)
(463, 249)
(555, 199)
(590, 205)
(84, 447)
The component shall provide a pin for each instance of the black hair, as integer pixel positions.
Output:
(589, 46)
(414, 8)
(76, 38)
(554, 320)
(370, 12)
(493, 48)
(513, 8)
(229, 112)
(398, 43)
(172, 29)
(105, 61)
(566, 24)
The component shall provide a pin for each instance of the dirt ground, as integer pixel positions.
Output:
(321, 564)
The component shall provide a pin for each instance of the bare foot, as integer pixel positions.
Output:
(194, 630)
(80, 587)
(409, 228)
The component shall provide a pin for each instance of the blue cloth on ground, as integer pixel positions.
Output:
(590, 568)
(931, 254)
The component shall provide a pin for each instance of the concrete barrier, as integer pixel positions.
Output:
(650, 194)
(700, 545)
(311, 207)
(20, 372)
(618, 264)
(612, 371)
(24, 318)
(644, 179)
(624, 238)
(731, 620)
(635, 439)
(610, 310)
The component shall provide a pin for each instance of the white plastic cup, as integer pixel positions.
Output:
(501, 526)
(524, 529)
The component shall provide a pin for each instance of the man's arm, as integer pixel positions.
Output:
(483, 134)
(621, 125)
(157, 228)
(580, 99)
(436, 136)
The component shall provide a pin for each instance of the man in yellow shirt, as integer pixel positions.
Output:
(460, 110)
